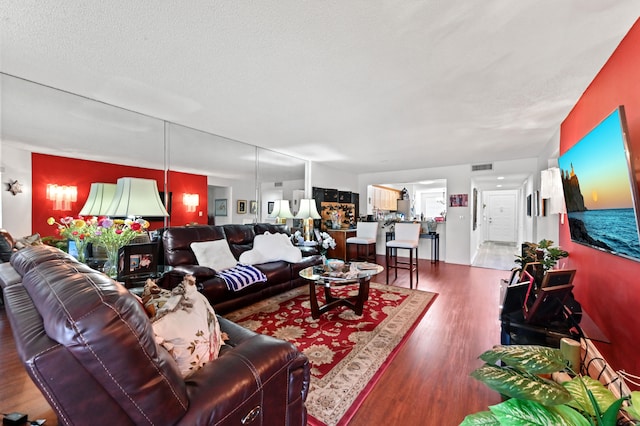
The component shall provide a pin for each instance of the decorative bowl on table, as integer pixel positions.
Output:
(335, 264)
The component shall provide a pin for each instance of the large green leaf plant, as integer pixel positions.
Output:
(519, 372)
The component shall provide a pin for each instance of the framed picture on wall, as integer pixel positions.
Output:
(253, 207)
(270, 206)
(220, 207)
(242, 206)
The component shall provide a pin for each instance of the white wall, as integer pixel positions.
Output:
(323, 176)
(458, 226)
(16, 209)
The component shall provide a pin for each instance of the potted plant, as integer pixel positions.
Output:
(523, 376)
(543, 252)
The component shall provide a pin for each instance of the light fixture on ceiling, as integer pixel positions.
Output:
(136, 197)
(62, 196)
(99, 199)
(191, 201)
(308, 212)
(281, 211)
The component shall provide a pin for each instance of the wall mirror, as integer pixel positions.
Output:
(230, 167)
(280, 177)
(41, 119)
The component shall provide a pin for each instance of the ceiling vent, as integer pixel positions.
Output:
(277, 184)
(481, 167)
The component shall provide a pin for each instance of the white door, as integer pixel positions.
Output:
(501, 218)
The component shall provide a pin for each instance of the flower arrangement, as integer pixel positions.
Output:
(326, 242)
(78, 229)
(115, 233)
(108, 233)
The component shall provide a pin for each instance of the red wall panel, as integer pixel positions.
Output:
(48, 169)
(607, 285)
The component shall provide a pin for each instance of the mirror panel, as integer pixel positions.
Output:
(230, 167)
(280, 177)
(42, 119)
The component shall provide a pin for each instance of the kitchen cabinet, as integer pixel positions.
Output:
(385, 198)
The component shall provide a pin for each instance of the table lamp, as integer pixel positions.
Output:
(281, 211)
(308, 212)
(99, 199)
(136, 197)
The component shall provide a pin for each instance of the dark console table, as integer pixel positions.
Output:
(435, 243)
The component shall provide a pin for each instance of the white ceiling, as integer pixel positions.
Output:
(366, 86)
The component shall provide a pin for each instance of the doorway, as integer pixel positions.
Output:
(501, 220)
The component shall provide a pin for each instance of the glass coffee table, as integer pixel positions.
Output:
(351, 273)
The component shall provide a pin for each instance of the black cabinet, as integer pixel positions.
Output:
(327, 195)
(344, 197)
(330, 195)
(355, 199)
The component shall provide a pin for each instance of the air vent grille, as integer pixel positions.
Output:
(481, 167)
(277, 184)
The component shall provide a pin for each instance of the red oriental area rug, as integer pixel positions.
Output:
(348, 353)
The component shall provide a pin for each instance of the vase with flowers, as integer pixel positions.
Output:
(326, 242)
(78, 229)
(113, 234)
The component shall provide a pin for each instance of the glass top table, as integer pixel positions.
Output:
(351, 273)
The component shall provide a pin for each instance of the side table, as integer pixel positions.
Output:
(136, 282)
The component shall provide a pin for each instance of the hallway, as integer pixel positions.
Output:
(496, 255)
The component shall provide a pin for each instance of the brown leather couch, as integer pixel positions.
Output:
(88, 345)
(281, 275)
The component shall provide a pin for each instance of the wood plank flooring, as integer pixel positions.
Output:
(427, 383)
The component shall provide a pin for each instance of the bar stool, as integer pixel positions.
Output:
(407, 236)
(366, 234)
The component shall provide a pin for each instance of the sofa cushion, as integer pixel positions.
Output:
(269, 247)
(214, 254)
(184, 323)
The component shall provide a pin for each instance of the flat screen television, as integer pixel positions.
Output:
(600, 192)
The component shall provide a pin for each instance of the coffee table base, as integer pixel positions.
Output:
(353, 302)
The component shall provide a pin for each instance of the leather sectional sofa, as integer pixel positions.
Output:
(89, 346)
(281, 275)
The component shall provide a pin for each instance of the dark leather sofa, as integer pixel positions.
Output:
(281, 275)
(87, 343)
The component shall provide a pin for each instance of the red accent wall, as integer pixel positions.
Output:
(81, 173)
(607, 285)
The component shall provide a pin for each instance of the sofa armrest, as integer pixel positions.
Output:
(261, 375)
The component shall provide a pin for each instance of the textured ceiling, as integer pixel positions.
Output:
(364, 85)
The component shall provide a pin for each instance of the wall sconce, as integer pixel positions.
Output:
(281, 211)
(191, 201)
(551, 188)
(62, 196)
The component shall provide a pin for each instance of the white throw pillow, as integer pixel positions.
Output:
(269, 248)
(214, 254)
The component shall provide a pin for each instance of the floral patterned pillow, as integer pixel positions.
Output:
(184, 323)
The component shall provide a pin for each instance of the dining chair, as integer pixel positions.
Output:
(406, 236)
(366, 234)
